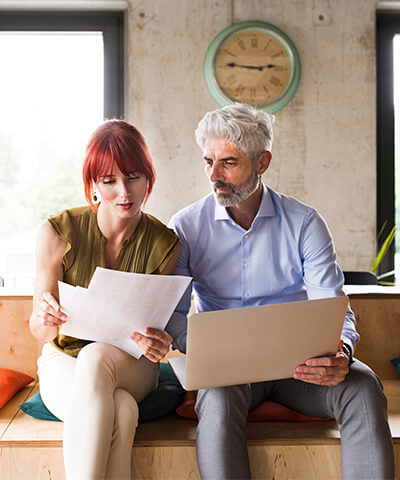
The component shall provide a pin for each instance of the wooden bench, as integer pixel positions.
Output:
(165, 448)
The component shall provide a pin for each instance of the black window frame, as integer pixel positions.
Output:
(387, 25)
(110, 23)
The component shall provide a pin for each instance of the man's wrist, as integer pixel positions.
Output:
(346, 349)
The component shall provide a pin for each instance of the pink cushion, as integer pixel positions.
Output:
(266, 411)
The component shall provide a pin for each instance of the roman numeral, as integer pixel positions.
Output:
(274, 80)
(229, 52)
(267, 44)
(241, 44)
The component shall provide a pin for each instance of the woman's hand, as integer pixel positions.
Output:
(155, 346)
(48, 311)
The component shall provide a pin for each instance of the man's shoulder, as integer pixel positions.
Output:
(290, 205)
(194, 211)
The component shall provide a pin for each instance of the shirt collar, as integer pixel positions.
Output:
(266, 209)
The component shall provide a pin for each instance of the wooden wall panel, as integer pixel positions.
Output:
(378, 323)
(18, 348)
(32, 464)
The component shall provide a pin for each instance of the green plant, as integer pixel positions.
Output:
(376, 260)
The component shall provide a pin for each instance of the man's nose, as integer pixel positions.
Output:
(214, 173)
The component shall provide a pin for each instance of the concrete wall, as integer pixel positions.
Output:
(324, 151)
(325, 141)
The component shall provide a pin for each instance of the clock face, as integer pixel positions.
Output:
(252, 62)
(253, 67)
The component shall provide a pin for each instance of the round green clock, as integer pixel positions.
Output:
(252, 62)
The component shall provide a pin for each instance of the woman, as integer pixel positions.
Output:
(95, 388)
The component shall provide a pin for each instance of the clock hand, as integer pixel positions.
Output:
(250, 67)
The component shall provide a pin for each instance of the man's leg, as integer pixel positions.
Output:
(221, 432)
(359, 406)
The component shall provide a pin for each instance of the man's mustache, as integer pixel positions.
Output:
(223, 185)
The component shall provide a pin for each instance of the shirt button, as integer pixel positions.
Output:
(246, 294)
(246, 236)
(246, 265)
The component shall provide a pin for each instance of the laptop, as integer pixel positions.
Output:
(254, 344)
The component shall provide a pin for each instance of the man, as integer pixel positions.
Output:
(246, 245)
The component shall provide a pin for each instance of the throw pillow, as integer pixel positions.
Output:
(162, 401)
(396, 363)
(165, 398)
(36, 408)
(11, 382)
(266, 411)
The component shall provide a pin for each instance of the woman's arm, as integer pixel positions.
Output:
(157, 345)
(46, 316)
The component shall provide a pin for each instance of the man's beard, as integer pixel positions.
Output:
(239, 192)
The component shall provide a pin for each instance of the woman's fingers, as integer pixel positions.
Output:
(155, 346)
(49, 311)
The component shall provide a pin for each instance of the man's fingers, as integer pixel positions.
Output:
(328, 380)
(324, 362)
(322, 375)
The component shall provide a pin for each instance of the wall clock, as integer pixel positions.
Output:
(252, 62)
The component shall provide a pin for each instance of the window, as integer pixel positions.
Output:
(62, 73)
(388, 121)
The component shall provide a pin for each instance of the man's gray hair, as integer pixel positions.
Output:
(243, 125)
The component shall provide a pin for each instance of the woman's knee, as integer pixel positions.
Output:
(126, 414)
(94, 367)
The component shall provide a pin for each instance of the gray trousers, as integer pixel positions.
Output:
(358, 405)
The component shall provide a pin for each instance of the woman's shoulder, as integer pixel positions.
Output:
(74, 212)
(71, 220)
(155, 225)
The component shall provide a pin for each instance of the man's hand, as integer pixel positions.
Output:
(154, 347)
(328, 371)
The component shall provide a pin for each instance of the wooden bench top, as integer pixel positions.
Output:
(19, 429)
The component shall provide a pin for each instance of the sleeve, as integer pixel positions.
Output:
(177, 325)
(161, 242)
(322, 275)
(61, 223)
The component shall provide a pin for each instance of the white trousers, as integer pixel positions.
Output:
(96, 395)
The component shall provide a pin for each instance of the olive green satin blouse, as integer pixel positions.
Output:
(146, 251)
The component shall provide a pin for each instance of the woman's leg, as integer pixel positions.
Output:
(56, 372)
(102, 416)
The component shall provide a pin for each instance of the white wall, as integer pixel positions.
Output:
(325, 142)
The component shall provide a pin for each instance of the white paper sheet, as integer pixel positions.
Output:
(118, 303)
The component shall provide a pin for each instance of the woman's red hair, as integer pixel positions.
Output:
(116, 142)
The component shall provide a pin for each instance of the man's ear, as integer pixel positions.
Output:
(263, 162)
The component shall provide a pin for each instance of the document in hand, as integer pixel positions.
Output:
(118, 303)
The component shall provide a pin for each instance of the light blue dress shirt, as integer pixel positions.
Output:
(287, 255)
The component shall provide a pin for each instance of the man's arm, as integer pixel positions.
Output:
(323, 278)
(177, 325)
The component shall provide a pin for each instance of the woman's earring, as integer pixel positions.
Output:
(95, 196)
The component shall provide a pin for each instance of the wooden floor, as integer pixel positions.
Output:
(165, 449)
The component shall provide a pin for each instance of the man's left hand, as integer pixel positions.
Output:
(155, 346)
(327, 371)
